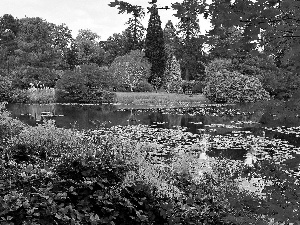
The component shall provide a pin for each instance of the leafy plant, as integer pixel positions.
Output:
(223, 84)
(130, 69)
(143, 86)
(5, 88)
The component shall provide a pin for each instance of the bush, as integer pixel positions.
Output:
(198, 87)
(8, 126)
(222, 85)
(279, 82)
(129, 69)
(71, 87)
(75, 87)
(5, 88)
(143, 86)
(187, 85)
(23, 76)
(19, 96)
(96, 76)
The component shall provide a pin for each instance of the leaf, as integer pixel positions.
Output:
(113, 4)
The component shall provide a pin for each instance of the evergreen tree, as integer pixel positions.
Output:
(154, 45)
(135, 30)
(172, 76)
(170, 36)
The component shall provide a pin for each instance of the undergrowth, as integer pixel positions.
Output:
(51, 175)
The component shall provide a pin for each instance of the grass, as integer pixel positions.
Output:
(160, 98)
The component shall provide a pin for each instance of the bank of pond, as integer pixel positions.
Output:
(141, 164)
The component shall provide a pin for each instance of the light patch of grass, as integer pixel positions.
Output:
(160, 98)
(41, 95)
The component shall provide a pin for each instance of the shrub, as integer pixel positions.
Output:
(19, 96)
(5, 88)
(278, 82)
(129, 69)
(100, 96)
(96, 76)
(198, 87)
(8, 126)
(187, 85)
(223, 85)
(25, 75)
(71, 87)
(143, 86)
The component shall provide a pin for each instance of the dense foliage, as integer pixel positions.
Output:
(172, 75)
(279, 82)
(5, 88)
(154, 46)
(75, 86)
(53, 175)
(130, 69)
(23, 76)
(223, 84)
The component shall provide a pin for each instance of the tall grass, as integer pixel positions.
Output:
(41, 95)
(142, 98)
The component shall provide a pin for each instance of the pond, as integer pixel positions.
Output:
(233, 130)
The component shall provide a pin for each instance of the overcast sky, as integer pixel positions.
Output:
(95, 15)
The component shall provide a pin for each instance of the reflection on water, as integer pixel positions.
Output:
(229, 123)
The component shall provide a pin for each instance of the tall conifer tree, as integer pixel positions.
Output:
(154, 46)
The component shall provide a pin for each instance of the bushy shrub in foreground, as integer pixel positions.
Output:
(51, 175)
(57, 176)
(223, 85)
(8, 126)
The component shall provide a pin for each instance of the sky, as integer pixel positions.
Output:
(95, 15)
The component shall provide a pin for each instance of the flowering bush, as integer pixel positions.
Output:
(223, 85)
(130, 69)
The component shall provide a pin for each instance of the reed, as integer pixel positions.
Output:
(161, 98)
(41, 95)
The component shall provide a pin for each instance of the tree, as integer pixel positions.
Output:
(226, 44)
(170, 36)
(189, 51)
(9, 28)
(89, 50)
(172, 76)
(118, 45)
(130, 69)
(135, 30)
(42, 44)
(72, 56)
(154, 45)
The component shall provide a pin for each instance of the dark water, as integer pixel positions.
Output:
(226, 123)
